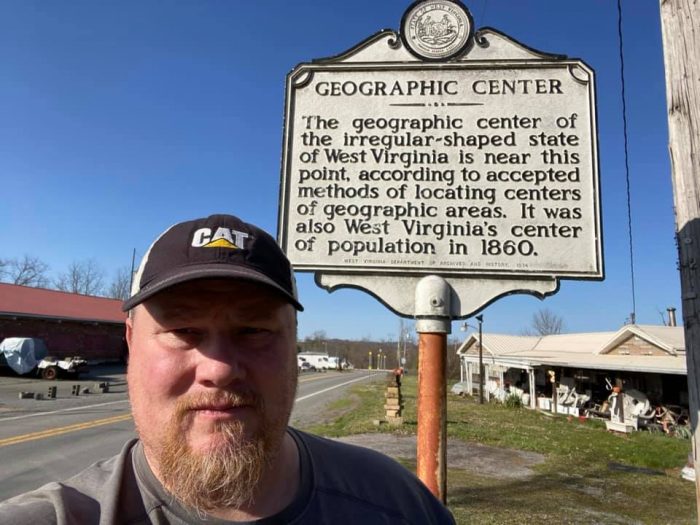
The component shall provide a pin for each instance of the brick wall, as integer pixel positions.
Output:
(636, 346)
(93, 341)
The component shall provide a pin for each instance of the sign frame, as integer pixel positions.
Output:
(471, 291)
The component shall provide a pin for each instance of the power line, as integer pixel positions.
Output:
(633, 315)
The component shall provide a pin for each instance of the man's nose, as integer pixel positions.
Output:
(220, 362)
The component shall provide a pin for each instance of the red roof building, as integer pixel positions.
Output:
(69, 324)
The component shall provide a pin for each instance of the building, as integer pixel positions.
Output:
(70, 324)
(647, 358)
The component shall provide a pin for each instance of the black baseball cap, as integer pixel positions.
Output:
(218, 246)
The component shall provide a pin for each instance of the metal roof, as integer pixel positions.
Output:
(25, 301)
(573, 343)
(501, 344)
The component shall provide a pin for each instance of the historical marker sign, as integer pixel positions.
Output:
(481, 164)
(439, 169)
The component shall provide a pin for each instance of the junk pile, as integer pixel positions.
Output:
(627, 410)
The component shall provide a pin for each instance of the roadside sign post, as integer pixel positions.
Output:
(432, 324)
(431, 454)
(440, 163)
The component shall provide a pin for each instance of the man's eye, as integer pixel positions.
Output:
(186, 332)
(253, 330)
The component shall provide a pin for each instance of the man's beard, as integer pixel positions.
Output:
(227, 474)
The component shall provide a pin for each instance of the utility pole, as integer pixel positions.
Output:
(680, 25)
(131, 275)
(398, 344)
(480, 318)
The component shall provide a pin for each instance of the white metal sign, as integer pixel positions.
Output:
(480, 165)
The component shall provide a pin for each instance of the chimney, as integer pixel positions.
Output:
(671, 316)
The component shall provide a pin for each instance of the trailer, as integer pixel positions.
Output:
(317, 360)
(26, 355)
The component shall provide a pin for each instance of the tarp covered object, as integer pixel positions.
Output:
(23, 353)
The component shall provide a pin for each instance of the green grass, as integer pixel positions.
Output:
(589, 475)
(354, 414)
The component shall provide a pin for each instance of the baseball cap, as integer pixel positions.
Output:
(218, 246)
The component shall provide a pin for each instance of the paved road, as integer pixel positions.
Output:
(51, 439)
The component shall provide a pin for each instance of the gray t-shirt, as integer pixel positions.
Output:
(340, 484)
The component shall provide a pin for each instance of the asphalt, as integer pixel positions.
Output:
(12, 385)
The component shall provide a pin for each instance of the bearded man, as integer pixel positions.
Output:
(212, 379)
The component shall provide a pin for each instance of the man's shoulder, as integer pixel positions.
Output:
(339, 454)
(357, 481)
(73, 500)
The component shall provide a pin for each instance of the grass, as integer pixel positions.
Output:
(589, 475)
(353, 414)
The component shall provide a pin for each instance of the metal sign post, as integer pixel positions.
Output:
(441, 152)
(431, 455)
(433, 323)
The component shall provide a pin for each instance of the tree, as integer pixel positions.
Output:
(119, 287)
(453, 364)
(318, 335)
(27, 271)
(545, 322)
(317, 339)
(84, 277)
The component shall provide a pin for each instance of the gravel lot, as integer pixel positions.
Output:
(488, 461)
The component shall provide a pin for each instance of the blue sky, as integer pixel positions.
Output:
(118, 119)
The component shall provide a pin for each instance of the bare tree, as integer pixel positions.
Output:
(119, 287)
(453, 360)
(27, 271)
(84, 277)
(317, 337)
(545, 322)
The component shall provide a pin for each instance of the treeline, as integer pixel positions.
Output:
(84, 277)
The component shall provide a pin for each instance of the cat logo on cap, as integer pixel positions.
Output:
(221, 238)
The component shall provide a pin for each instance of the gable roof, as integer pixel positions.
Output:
(668, 338)
(24, 301)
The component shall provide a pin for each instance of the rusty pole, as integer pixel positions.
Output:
(432, 413)
(433, 323)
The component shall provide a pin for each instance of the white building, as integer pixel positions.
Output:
(647, 358)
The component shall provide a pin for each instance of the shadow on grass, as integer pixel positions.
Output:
(598, 496)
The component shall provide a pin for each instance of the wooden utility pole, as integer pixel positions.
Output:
(680, 24)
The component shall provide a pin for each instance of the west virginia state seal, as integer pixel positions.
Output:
(436, 29)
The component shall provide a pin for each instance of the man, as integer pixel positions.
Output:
(212, 379)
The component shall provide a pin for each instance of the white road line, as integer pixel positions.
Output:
(329, 388)
(62, 410)
(73, 409)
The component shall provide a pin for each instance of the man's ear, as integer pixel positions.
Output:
(129, 328)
